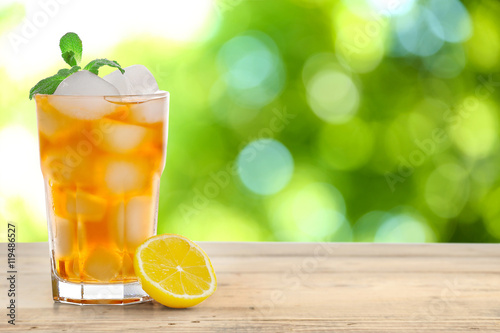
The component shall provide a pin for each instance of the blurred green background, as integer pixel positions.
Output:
(290, 120)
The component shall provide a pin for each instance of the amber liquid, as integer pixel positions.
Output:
(102, 181)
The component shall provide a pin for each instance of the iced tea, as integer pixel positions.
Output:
(101, 158)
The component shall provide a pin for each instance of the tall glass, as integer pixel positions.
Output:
(101, 159)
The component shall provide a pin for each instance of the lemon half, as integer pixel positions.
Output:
(174, 271)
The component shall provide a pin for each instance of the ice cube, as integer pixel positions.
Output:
(133, 221)
(143, 82)
(56, 169)
(58, 201)
(137, 80)
(139, 220)
(64, 237)
(124, 176)
(121, 82)
(117, 218)
(121, 137)
(64, 165)
(102, 264)
(77, 85)
(85, 83)
(153, 111)
(85, 205)
(48, 123)
(53, 125)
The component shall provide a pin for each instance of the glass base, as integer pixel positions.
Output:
(98, 294)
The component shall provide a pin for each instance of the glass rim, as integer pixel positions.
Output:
(158, 94)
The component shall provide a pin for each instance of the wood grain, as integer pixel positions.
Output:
(282, 287)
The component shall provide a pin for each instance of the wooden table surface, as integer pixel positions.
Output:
(274, 287)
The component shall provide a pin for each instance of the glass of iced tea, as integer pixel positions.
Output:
(101, 159)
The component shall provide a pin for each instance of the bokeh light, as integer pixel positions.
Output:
(331, 92)
(265, 166)
(333, 96)
(485, 32)
(359, 36)
(366, 226)
(44, 23)
(474, 127)
(392, 8)
(21, 185)
(455, 25)
(418, 31)
(226, 225)
(404, 227)
(447, 190)
(310, 211)
(252, 69)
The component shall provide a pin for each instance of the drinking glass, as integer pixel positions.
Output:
(101, 159)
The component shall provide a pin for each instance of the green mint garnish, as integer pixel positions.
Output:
(71, 52)
(71, 48)
(94, 65)
(50, 84)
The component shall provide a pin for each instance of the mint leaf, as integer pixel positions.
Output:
(69, 58)
(46, 86)
(67, 72)
(50, 84)
(71, 48)
(94, 65)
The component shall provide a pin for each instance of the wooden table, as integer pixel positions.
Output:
(273, 287)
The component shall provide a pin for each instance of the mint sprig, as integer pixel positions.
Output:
(50, 84)
(94, 65)
(71, 51)
(71, 48)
